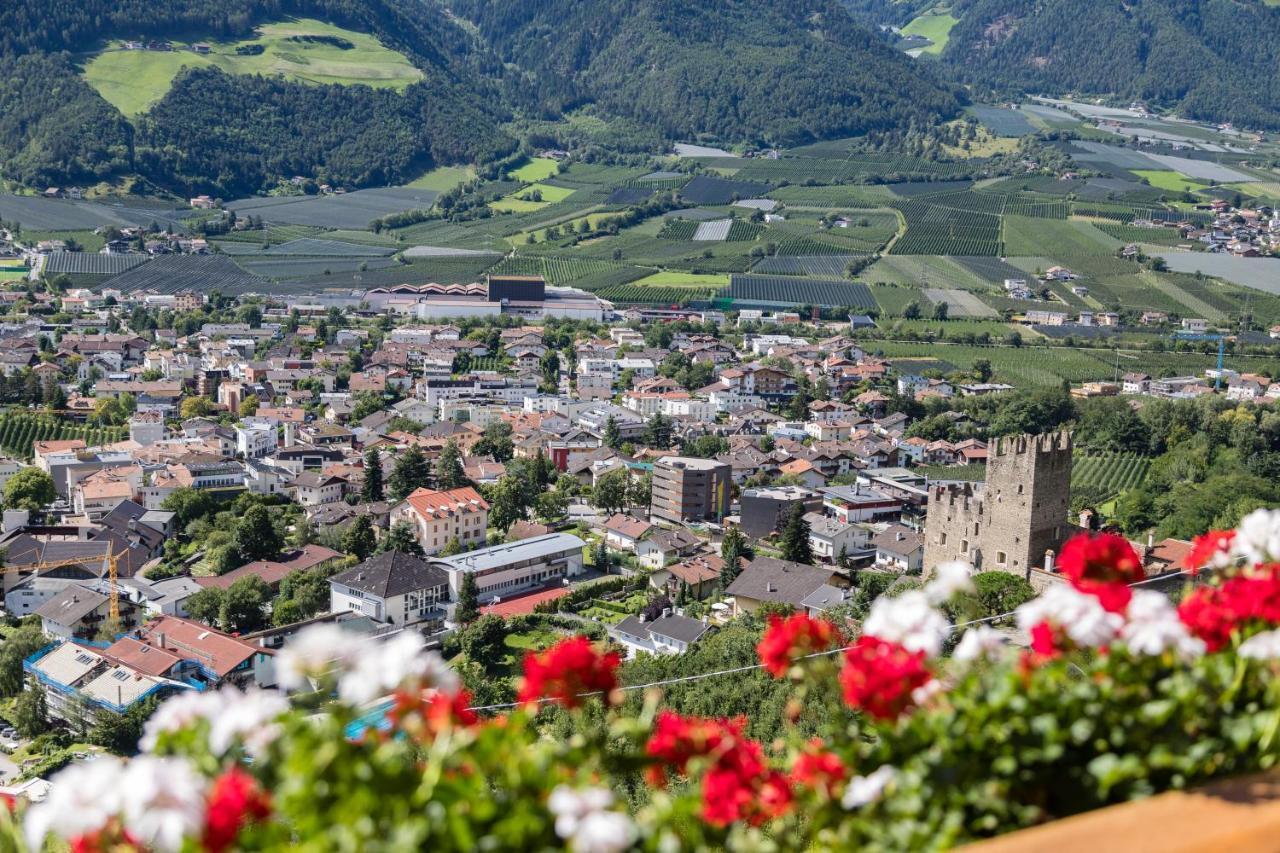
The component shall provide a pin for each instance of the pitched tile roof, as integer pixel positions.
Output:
(430, 503)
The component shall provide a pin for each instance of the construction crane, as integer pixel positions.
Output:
(113, 576)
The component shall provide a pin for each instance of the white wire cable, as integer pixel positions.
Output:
(700, 676)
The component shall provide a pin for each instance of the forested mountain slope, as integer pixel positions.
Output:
(232, 134)
(730, 69)
(1212, 59)
(727, 70)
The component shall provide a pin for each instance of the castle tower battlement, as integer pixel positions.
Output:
(1020, 512)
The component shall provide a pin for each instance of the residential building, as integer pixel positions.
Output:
(667, 635)
(393, 588)
(767, 579)
(686, 488)
(439, 517)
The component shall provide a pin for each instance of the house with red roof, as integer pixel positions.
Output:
(192, 653)
(438, 517)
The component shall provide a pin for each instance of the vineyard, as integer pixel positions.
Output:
(201, 273)
(830, 266)
(786, 290)
(91, 263)
(640, 294)
(1111, 473)
(19, 431)
(937, 230)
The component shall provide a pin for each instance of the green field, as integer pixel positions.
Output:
(933, 26)
(1064, 239)
(537, 169)
(1162, 179)
(548, 192)
(443, 178)
(133, 80)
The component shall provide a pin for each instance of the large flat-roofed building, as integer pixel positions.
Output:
(686, 488)
(504, 570)
(765, 510)
(518, 288)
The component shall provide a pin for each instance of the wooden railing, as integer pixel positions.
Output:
(1233, 816)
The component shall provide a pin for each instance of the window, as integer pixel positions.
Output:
(942, 539)
(1001, 558)
(964, 546)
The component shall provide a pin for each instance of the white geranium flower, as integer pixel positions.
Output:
(1258, 537)
(922, 694)
(584, 820)
(1081, 616)
(908, 620)
(949, 579)
(82, 798)
(1153, 627)
(249, 718)
(981, 642)
(865, 790)
(1264, 646)
(164, 801)
(383, 667)
(178, 712)
(317, 650)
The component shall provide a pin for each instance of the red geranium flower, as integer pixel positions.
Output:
(788, 640)
(567, 670)
(738, 784)
(1208, 615)
(1102, 566)
(817, 768)
(878, 677)
(431, 710)
(1044, 640)
(235, 801)
(1209, 549)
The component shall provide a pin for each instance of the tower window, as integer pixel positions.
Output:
(1001, 558)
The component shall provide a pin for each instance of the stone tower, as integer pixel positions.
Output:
(1016, 518)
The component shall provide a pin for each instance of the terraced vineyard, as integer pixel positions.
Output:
(638, 294)
(19, 431)
(1111, 473)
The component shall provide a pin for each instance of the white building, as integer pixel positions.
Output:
(667, 635)
(516, 567)
(392, 588)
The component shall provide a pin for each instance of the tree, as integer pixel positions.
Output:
(19, 645)
(371, 491)
(484, 641)
(244, 607)
(843, 559)
(940, 311)
(551, 505)
(206, 605)
(550, 365)
(601, 558)
(188, 504)
(610, 491)
(256, 537)
(507, 503)
(412, 471)
(794, 542)
(495, 442)
(449, 473)
(468, 609)
(401, 538)
(612, 436)
(640, 489)
(798, 408)
(31, 712)
(733, 548)
(30, 489)
(249, 406)
(658, 431)
(308, 590)
(1001, 592)
(911, 311)
(195, 407)
(359, 539)
(982, 370)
